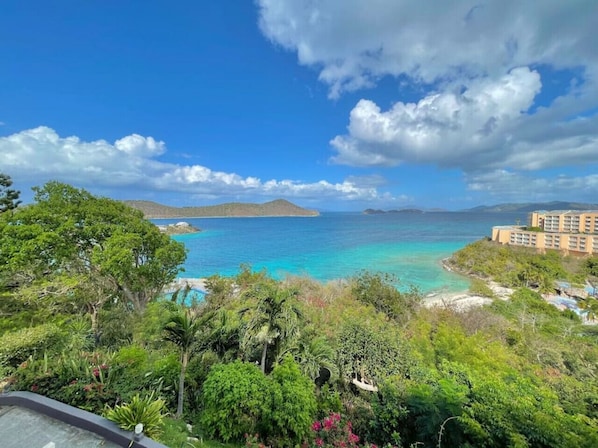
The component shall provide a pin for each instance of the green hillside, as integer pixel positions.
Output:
(279, 207)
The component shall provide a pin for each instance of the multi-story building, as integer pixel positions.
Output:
(570, 231)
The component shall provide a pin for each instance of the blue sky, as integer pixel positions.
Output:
(335, 105)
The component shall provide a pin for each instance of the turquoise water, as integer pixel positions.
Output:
(339, 245)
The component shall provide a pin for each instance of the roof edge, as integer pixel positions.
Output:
(76, 417)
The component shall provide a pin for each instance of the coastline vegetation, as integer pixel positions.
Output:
(261, 362)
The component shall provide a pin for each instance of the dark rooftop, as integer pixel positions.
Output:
(33, 421)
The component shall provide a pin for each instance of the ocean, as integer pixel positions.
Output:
(339, 245)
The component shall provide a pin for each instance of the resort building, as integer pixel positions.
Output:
(570, 231)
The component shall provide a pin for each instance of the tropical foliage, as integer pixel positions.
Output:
(146, 411)
(290, 362)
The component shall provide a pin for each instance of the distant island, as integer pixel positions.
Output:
(279, 207)
(526, 207)
(533, 206)
(180, 228)
(371, 211)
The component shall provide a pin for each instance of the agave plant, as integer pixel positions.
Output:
(148, 411)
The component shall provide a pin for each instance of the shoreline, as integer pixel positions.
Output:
(460, 300)
(465, 300)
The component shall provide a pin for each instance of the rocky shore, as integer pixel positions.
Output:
(462, 301)
(180, 228)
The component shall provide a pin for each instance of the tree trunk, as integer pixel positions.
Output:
(264, 352)
(93, 314)
(364, 386)
(179, 406)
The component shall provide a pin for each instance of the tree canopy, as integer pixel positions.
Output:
(69, 239)
(9, 198)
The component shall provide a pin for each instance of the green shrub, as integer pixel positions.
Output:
(17, 346)
(294, 406)
(328, 400)
(380, 291)
(237, 400)
(80, 379)
(480, 288)
(174, 433)
(147, 411)
(132, 356)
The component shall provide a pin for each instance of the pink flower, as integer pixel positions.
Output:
(319, 442)
(34, 387)
(96, 372)
(336, 417)
(316, 426)
(353, 438)
(328, 424)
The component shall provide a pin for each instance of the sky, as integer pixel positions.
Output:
(331, 104)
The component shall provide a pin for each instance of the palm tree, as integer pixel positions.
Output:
(275, 317)
(181, 329)
(315, 354)
(590, 305)
(221, 334)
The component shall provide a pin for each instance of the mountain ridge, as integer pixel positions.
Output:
(278, 207)
(532, 207)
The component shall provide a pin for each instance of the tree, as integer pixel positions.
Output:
(221, 334)
(274, 319)
(379, 290)
(69, 232)
(181, 330)
(366, 355)
(9, 198)
(590, 306)
(591, 266)
(314, 355)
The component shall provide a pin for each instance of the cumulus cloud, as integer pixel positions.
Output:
(507, 185)
(137, 145)
(40, 154)
(479, 65)
(353, 43)
(486, 126)
(445, 128)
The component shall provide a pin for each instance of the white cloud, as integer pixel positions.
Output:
(505, 185)
(353, 43)
(479, 64)
(137, 145)
(37, 155)
(445, 128)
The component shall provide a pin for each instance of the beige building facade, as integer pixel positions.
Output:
(570, 231)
